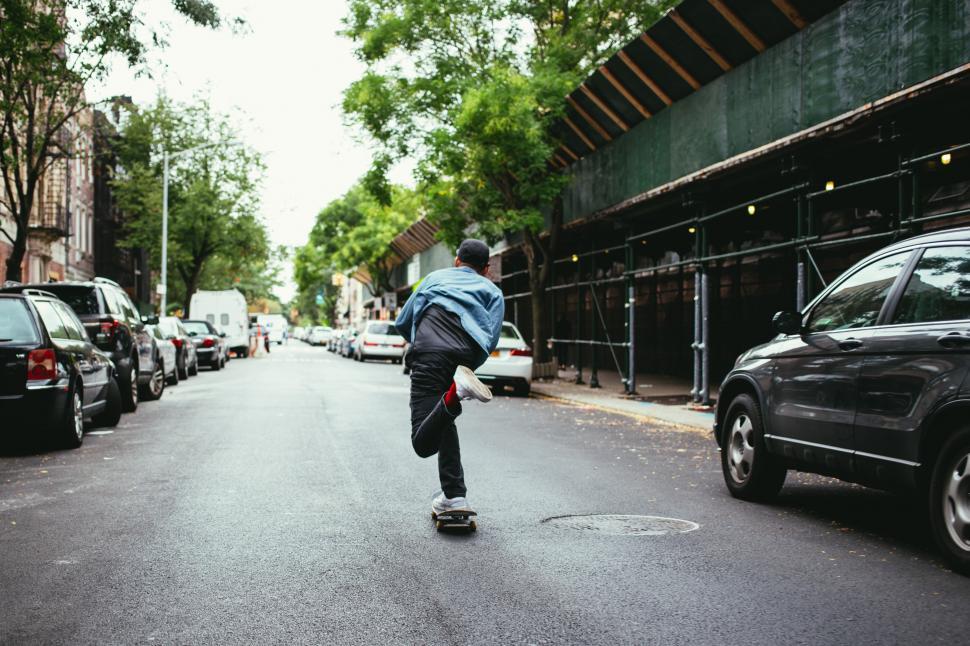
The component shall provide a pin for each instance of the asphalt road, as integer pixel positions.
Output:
(279, 501)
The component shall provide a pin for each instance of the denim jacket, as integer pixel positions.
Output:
(476, 300)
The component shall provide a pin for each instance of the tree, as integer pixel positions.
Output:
(49, 50)
(214, 230)
(352, 233)
(473, 88)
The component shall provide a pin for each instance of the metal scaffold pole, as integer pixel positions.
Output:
(696, 346)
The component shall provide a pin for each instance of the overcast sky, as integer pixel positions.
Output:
(285, 76)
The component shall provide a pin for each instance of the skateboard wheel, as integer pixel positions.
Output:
(438, 524)
(473, 525)
(434, 516)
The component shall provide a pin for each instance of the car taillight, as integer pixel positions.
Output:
(41, 365)
(208, 342)
(178, 342)
(398, 345)
(521, 352)
(369, 343)
(110, 327)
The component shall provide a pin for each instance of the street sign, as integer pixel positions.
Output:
(161, 289)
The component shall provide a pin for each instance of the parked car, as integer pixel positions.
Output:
(869, 383)
(52, 377)
(347, 347)
(113, 324)
(186, 357)
(333, 344)
(164, 364)
(319, 335)
(210, 346)
(276, 326)
(379, 340)
(510, 364)
(227, 310)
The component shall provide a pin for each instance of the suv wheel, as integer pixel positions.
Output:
(156, 385)
(750, 472)
(129, 388)
(72, 425)
(111, 414)
(950, 500)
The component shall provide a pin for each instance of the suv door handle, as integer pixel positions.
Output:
(954, 339)
(850, 344)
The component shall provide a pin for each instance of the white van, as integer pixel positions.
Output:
(225, 309)
(276, 324)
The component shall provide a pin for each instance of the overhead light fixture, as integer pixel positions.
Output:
(945, 159)
(643, 242)
(692, 230)
(575, 258)
(829, 185)
(751, 209)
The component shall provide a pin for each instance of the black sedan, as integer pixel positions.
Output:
(209, 343)
(52, 378)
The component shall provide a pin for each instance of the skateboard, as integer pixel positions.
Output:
(459, 519)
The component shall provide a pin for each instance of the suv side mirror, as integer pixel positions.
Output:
(222, 335)
(150, 320)
(787, 322)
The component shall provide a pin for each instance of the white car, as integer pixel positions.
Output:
(510, 365)
(319, 335)
(379, 340)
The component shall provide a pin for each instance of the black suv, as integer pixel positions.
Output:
(51, 375)
(869, 384)
(114, 324)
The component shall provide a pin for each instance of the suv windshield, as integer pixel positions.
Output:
(82, 299)
(15, 322)
(199, 327)
(381, 328)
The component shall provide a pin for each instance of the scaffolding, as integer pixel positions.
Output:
(806, 200)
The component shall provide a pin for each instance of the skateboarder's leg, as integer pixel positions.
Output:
(430, 377)
(450, 473)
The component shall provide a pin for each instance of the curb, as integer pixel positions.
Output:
(686, 428)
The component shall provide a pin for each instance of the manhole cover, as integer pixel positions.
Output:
(623, 525)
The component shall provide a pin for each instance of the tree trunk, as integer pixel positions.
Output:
(16, 259)
(191, 280)
(540, 255)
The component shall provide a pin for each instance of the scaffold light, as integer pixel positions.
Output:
(692, 230)
(575, 258)
(945, 159)
(829, 185)
(751, 209)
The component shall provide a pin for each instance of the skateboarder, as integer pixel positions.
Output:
(452, 322)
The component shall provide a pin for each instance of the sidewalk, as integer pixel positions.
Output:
(662, 398)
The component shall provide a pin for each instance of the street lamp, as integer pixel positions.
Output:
(163, 285)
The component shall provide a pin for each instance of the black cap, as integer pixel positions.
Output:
(473, 252)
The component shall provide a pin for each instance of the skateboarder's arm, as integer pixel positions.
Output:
(496, 314)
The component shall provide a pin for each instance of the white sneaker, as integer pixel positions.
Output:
(468, 386)
(440, 504)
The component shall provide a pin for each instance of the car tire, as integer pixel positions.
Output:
(129, 390)
(522, 390)
(174, 379)
(182, 371)
(216, 365)
(111, 414)
(156, 384)
(194, 370)
(750, 472)
(949, 500)
(70, 430)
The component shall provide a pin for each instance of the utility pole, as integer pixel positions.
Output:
(163, 285)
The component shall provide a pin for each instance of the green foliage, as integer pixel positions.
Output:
(352, 233)
(216, 238)
(49, 51)
(472, 88)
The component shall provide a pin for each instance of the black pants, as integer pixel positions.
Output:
(432, 426)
